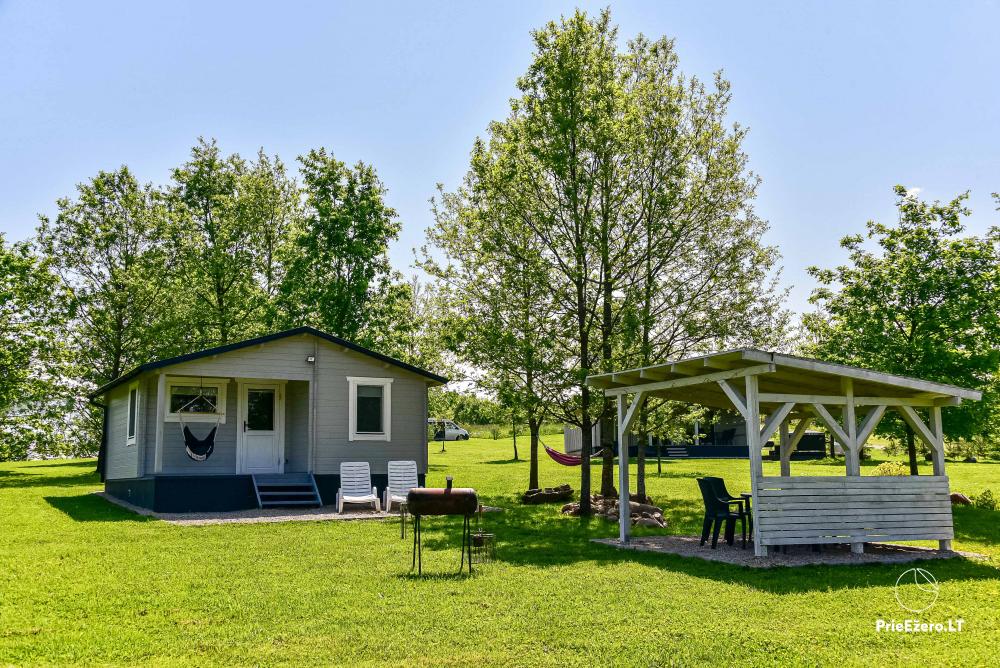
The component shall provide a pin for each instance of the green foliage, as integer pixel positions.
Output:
(985, 500)
(34, 393)
(891, 468)
(218, 295)
(339, 266)
(464, 408)
(926, 304)
(613, 210)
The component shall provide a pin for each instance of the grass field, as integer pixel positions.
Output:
(82, 581)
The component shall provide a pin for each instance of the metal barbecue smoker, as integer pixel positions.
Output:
(447, 501)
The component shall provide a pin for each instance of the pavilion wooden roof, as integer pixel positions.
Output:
(780, 377)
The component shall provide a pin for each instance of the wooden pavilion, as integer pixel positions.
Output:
(781, 388)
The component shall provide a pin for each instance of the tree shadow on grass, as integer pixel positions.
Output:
(12, 479)
(976, 524)
(93, 508)
(506, 461)
(540, 536)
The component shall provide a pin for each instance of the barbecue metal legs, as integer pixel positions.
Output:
(466, 544)
(418, 556)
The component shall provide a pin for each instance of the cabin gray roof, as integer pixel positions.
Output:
(217, 350)
(696, 380)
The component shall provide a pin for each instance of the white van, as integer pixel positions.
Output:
(446, 430)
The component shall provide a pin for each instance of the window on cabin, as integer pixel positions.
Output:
(369, 409)
(133, 414)
(194, 399)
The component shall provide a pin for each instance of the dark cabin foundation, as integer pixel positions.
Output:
(211, 493)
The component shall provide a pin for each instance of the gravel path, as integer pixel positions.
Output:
(797, 555)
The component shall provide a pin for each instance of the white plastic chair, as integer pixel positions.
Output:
(356, 485)
(402, 478)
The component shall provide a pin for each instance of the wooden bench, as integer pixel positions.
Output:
(835, 509)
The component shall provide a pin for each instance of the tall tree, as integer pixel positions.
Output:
(34, 389)
(217, 232)
(925, 304)
(638, 198)
(496, 289)
(109, 246)
(339, 274)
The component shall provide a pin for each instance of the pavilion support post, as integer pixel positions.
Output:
(785, 449)
(625, 419)
(852, 450)
(937, 430)
(161, 412)
(752, 416)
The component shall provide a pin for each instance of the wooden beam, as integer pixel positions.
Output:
(686, 368)
(632, 411)
(869, 423)
(800, 431)
(831, 423)
(774, 421)
(734, 396)
(911, 418)
(784, 449)
(937, 457)
(692, 380)
(752, 418)
(624, 509)
(654, 374)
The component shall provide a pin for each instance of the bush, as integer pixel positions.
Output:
(985, 501)
(891, 468)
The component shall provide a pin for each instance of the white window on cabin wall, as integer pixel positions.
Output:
(132, 424)
(200, 399)
(369, 410)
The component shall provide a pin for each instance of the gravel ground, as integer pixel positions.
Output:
(253, 516)
(797, 555)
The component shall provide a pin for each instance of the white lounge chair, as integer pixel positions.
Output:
(402, 478)
(356, 485)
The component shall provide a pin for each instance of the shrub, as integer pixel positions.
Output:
(891, 468)
(985, 501)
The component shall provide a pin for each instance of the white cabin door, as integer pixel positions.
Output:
(263, 446)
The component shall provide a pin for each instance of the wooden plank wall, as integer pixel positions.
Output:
(826, 509)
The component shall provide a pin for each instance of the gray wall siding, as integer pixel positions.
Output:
(123, 460)
(409, 416)
(297, 427)
(284, 359)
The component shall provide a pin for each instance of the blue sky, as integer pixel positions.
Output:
(843, 99)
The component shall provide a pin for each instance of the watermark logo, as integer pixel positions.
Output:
(917, 590)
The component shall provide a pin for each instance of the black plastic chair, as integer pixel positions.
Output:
(723, 493)
(717, 511)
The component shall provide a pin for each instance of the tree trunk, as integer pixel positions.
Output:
(659, 454)
(513, 432)
(911, 449)
(533, 428)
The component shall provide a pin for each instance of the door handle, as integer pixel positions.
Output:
(244, 425)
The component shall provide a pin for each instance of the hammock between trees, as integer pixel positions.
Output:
(562, 457)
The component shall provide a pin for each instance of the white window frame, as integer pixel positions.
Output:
(131, 440)
(220, 384)
(352, 409)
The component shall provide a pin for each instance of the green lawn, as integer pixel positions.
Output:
(85, 582)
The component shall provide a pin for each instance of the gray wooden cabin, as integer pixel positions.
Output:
(288, 409)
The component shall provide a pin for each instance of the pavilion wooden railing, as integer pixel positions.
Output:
(836, 509)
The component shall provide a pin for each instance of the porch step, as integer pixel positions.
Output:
(292, 489)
